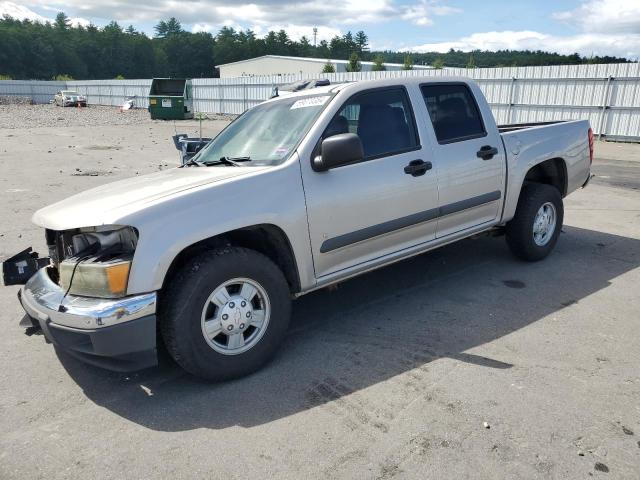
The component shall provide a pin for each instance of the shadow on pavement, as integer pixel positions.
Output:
(373, 328)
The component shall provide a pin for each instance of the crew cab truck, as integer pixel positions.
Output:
(298, 193)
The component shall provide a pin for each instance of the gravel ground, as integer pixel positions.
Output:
(35, 116)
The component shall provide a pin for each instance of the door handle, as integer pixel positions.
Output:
(487, 152)
(417, 168)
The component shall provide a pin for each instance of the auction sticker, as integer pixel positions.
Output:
(309, 102)
(280, 152)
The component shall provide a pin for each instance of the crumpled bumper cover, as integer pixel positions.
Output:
(117, 334)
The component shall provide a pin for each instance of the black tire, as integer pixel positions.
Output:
(519, 231)
(183, 299)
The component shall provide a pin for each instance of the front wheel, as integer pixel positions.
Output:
(225, 313)
(533, 232)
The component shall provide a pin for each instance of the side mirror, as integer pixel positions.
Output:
(338, 150)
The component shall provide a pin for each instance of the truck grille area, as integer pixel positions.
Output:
(90, 245)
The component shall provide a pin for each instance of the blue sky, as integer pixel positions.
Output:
(475, 16)
(603, 27)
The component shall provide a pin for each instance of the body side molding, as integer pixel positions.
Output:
(403, 222)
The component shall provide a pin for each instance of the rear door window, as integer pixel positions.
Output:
(383, 120)
(454, 113)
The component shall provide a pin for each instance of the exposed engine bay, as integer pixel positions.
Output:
(92, 261)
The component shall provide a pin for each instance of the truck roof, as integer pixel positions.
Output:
(382, 82)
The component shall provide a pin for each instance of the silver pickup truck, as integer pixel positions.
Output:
(298, 193)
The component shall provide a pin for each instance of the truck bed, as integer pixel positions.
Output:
(522, 126)
(528, 144)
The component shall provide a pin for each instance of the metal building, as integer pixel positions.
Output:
(282, 65)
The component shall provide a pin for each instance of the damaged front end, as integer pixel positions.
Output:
(18, 269)
(78, 297)
(92, 262)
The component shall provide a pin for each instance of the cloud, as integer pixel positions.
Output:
(20, 12)
(331, 17)
(607, 27)
(421, 12)
(600, 27)
(585, 44)
(216, 12)
(79, 22)
(322, 13)
(604, 16)
(296, 32)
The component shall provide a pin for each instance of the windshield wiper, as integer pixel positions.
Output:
(191, 163)
(229, 161)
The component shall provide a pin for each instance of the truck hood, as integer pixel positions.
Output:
(106, 204)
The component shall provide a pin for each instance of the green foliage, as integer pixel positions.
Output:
(362, 41)
(471, 63)
(408, 63)
(63, 77)
(32, 50)
(378, 64)
(170, 27)
(5, 77)
(328, 68)
(438, 63)
(354, 64)
(119, 77)
(62, 22)
(510, 58)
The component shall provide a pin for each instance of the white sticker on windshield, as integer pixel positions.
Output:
(309, 102)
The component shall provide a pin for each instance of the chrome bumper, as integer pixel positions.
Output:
(44, 300)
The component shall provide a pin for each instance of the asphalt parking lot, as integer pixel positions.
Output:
(394, 374)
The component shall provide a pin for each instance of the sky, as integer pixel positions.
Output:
(598, 27)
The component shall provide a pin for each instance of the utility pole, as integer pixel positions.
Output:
(315, 35)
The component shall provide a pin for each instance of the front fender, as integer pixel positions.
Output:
(273, 197)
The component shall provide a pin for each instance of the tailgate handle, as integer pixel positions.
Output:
(417, 168)
(487, 152)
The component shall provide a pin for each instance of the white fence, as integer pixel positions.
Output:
(608, 95)
(39, 91)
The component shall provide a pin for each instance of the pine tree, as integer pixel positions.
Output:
(328, 67)
(161, 29)
(165, 28)
(173, 27)
(62, 22)
(362, 41)
(408, 63)
(354, 64)
(471, 63)
(378, 64)
(438, 63)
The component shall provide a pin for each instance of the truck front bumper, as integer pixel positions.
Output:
(117, 334)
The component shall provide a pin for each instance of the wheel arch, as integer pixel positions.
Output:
(266, 238)
(550, 172)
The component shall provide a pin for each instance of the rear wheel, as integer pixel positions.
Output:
(533, 232)
(225, 313)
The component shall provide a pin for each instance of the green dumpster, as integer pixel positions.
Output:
(171, 99)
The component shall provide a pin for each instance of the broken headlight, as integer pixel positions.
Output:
(96, 262)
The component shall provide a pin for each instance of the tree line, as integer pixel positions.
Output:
(33, 50)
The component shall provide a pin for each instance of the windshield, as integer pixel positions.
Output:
(266, 134)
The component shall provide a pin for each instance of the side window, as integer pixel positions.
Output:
(453, 112)
(381, 118)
